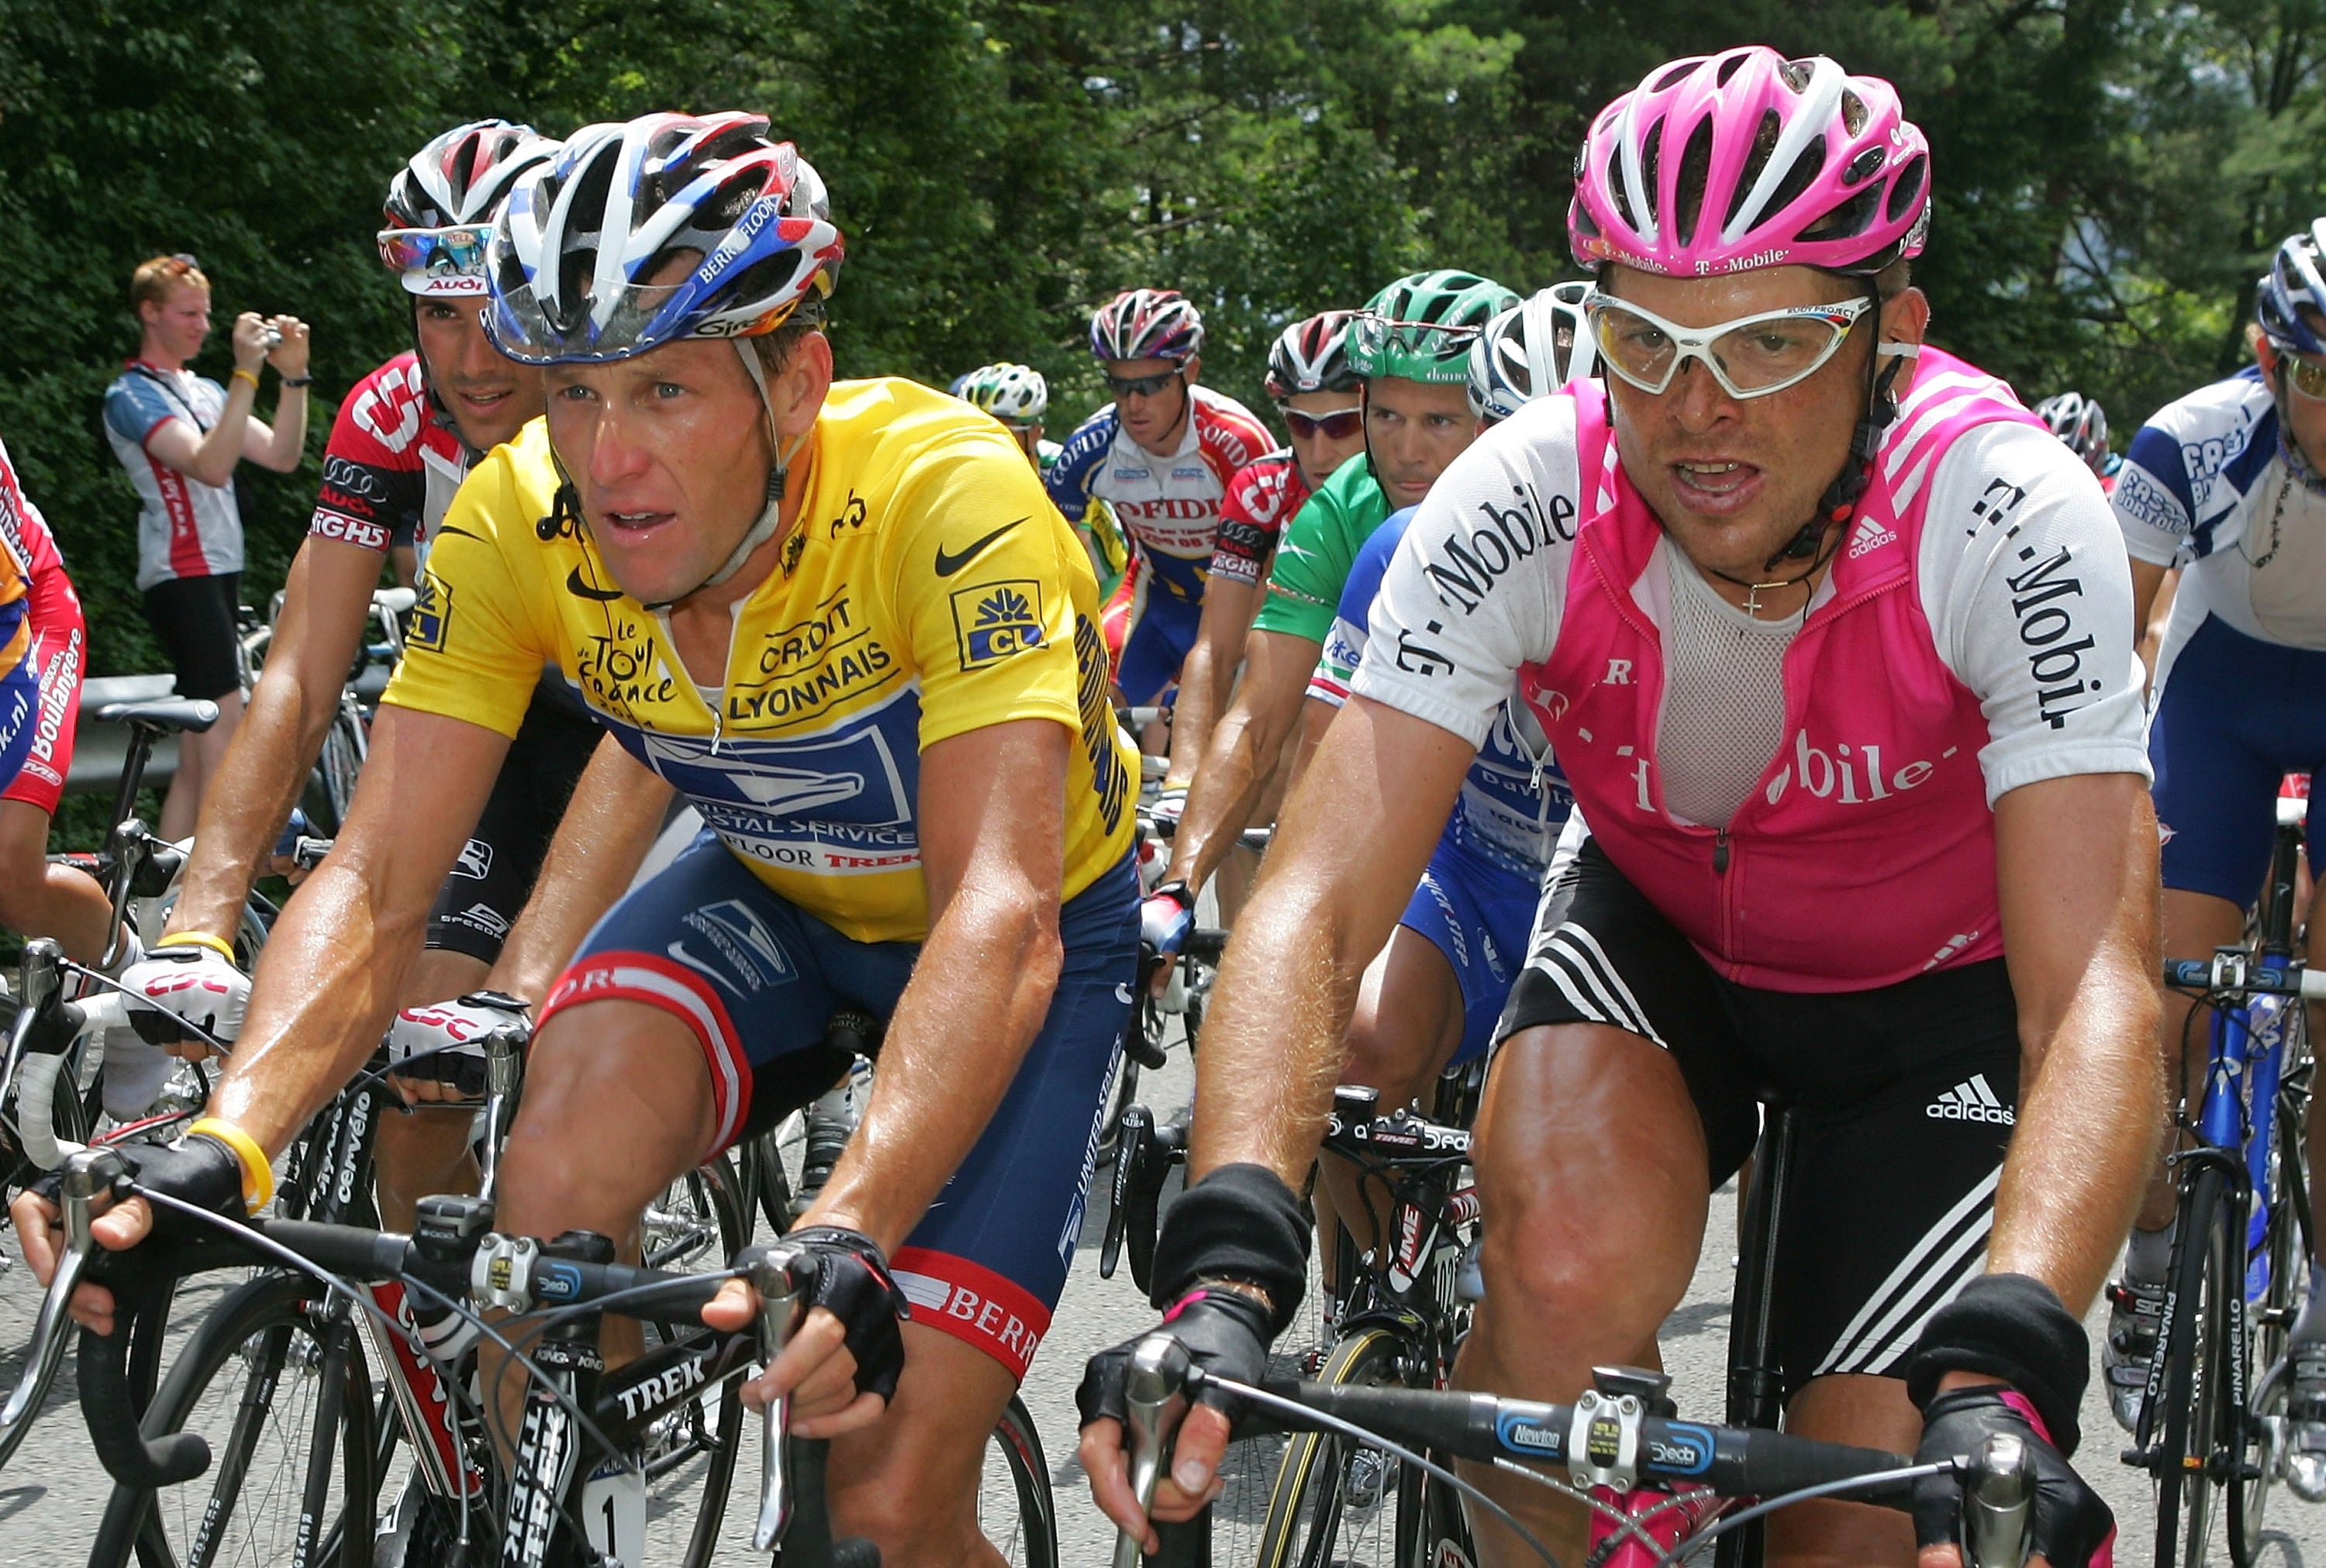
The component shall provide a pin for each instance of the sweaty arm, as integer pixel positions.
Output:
(332, 971)
(2025, 585)
(1327, 902)
(1208, 672)
(325, 606)
(1243, 752)
(612, 820)
(982, 984)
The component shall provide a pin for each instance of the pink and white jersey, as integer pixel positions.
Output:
(393, 463)
(1973, 636)
(185, 528)
(1168, 506)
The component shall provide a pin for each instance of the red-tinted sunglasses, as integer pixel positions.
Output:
(1338, 425)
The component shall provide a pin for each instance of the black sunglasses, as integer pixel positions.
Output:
(1124, 386)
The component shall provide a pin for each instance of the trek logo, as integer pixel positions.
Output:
(1970, 1101)
(949, 563)
(426, 623)
(1870, 536)
(1465, 566)
(993, 620)
(658, 1391)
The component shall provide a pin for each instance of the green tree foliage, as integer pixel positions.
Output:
(2111, 174)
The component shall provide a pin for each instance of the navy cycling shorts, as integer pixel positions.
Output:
(2235, 715)
(1149, 628)
(1478, 912)
(757, 979)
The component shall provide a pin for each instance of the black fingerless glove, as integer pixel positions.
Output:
(2068, 1526)
(2012, 1327)
(853, 1283)
(1240, 1223)
(1224, 1332)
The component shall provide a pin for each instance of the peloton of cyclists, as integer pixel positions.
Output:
(1804, 653)
(1161, 455)
(840, 617)
(2225, 488)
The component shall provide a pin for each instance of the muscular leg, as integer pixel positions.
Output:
(1593, 1173)
(38, 899)
(1872, 1413)
(1407, 1022)
(427, 1151)
(909, 1483)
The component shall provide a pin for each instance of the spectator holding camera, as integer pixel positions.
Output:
(180, 435)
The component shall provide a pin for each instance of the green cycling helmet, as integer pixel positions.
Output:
(1422, 327)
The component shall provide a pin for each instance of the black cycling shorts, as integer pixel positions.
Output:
(195, 617)
(1907, 1095)
(495, 874)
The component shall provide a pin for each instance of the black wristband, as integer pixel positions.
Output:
(1240, 1223)
(296, 380)
(2014, 1328)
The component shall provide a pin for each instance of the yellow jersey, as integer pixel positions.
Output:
(926, 588)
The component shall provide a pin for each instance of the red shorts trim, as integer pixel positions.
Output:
(58, 655)
(675, 990)
(975, 1306)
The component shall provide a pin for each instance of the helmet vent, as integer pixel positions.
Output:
(1864, 166)
(1651, 154)
(1799, 179)
(1853, 113)
(1796, 73)
(1764, 144)
(1908, 189)
(1730, 67)
(1619, 188)
(1695, 168)
(1675, 76)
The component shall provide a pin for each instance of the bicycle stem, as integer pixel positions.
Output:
(1155, 1397)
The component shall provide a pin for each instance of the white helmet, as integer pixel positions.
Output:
(1012, 393)
(1535, 347)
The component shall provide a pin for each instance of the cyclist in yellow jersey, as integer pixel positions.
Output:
(845, 622)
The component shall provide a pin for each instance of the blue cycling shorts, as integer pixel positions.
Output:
(1478, 912)
(1151, 625)
(20, 717)
(757, 979)
(2235, 715)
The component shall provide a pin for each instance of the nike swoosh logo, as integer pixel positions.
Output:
(581, 589)
(949, 564)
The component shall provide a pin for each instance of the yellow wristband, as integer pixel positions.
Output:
(216, 944)
(249, 376)
(257, 1171)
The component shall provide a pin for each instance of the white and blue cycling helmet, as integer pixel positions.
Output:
(1537, 345)
(2295, 282)
(580, 238)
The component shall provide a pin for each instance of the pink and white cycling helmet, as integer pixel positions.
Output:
(1147, 324)
(1731, 161)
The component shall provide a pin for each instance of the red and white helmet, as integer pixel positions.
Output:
(1732, 161)
(1312, 355)
(1147, 324)
(440, 206)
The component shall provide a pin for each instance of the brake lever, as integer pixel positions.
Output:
(87, 1174)
(1154, 1398)
(779, 1302)
(1997, 1499)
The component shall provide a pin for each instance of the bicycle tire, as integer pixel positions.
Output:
(711, 1428)
(1322, 1505)
(2285, 1253)
(1016, 1511)
(256, 1346)
(2204, 1352)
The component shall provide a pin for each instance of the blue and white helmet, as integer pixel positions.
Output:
(1537, 345)
(580, 238)
(2295, 281)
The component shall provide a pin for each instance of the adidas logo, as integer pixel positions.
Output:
(1971, 1101)
(1870, 536)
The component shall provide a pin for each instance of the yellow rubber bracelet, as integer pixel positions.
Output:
(257, 1171)
(216, 944)
(249, 376)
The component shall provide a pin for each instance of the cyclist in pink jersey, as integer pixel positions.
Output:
(1871, 835)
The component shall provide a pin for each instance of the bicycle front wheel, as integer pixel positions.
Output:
(1014, 1510)
(280, 1390)
(1337, 1500)
(2203, 1454)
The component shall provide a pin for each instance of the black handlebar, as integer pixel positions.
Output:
(110, 1406)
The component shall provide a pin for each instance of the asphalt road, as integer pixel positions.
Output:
(52, 1492)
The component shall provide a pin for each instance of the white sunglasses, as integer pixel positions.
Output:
(1750, 356)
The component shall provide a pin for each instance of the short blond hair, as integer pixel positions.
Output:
(154, 279)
